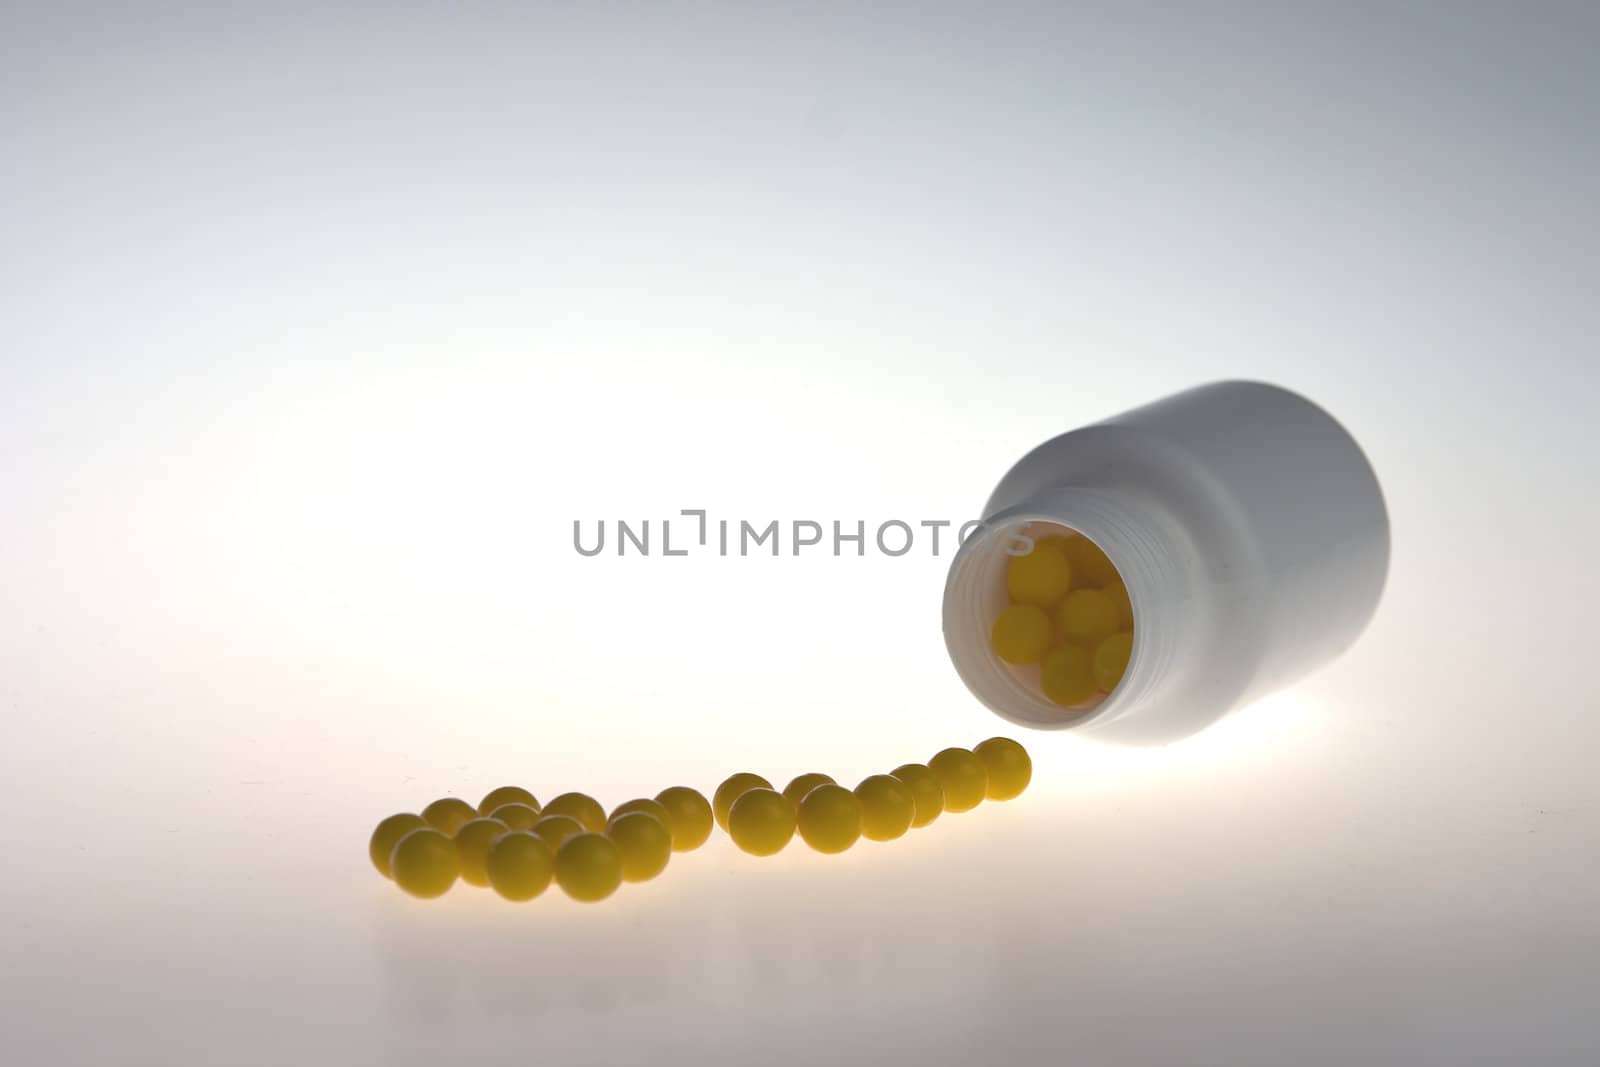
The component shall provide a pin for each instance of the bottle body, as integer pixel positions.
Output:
(1248, 529)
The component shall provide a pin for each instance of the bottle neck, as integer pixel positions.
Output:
(1154, 557)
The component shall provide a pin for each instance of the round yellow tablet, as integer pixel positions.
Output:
(448, 813)
(1021, 634)
(1111, 660)
(1090, 566)
(555, 829)
(520, 865)
(829, 818)
(796, 790)
(963, 777)
(472, 848)
(516, 816)
(688, 816)
(1087, 616)
(424, 863)
(589, 866)
(887, 807)
(926, 791)
(645, 844)
(1008, 767)
(1066, 677)
(761, 821)
(506, 794)
(1119, 596)
(1041, 577)
(388, 834)
(580, 806)
(644, 804)
(731, 789)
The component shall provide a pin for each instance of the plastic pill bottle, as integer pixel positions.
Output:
(1246, 526)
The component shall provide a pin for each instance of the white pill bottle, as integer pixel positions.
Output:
(1246, 525)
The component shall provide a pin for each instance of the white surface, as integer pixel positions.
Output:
(321, 328)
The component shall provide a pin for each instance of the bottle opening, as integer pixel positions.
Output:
(1040, 622)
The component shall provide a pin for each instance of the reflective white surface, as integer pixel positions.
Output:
(320, 331)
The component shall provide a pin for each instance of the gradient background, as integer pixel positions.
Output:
(322, 322)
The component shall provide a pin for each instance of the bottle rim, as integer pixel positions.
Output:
(974, 593)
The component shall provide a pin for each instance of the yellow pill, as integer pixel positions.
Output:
(926, 791)
(555, 829)
(644, 842)
(644, 804)
(688, 816)
(1066, 677)
(730, 790)
(796, 790)
(1090, 566)
(1087, 616)
(520, 865)
(516, 816)
(472, 848)
(584, 808)
(1119, 596)
(388, 834)
(424, 863)
(829, 819)
(448, 813)
(761, 821)
(1021, 634)
(963, 777)
(1008, 767)
(589, 866)
(1041, 577)
(1111, 660)
(506, 794)
(887, 807)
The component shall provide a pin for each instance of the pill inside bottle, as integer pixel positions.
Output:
(1058, 608)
